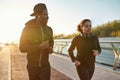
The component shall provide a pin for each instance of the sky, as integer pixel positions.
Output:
(64, 15)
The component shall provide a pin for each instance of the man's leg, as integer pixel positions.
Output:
(33, 72)
(44, 73)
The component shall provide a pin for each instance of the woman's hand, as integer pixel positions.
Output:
(77, 63)
(95, 52)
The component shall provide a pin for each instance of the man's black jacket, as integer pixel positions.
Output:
(30, 40)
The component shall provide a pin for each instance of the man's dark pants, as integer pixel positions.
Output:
(39, 73)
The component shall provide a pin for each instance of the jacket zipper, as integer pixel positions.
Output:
(41, 49)
(40, 58)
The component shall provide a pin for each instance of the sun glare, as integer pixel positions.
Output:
(9, 29)
(12, 21)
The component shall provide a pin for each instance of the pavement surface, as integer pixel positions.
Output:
(5, 64)
(63, 64)
(13, 67)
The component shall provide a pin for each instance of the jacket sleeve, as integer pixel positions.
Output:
(51, 41)
(71, 49)
(23, 41)
(97, 46)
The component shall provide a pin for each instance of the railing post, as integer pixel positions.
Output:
(116, 55)
(58, 51)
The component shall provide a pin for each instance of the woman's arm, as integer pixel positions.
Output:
(71, 49)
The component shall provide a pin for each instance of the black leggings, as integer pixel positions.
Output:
(85, 73)
(37, 73)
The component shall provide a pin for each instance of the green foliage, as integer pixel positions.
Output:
(71, 35)
(110, 29)
(62, 36)
(59, 36)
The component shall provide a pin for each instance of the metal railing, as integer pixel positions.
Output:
(61, 44)
(116, 61)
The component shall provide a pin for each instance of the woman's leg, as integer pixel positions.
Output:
(91, 71)
(83, 73)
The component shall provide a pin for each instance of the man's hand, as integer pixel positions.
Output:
(44, 45)
(77, 63)
(50, 50)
